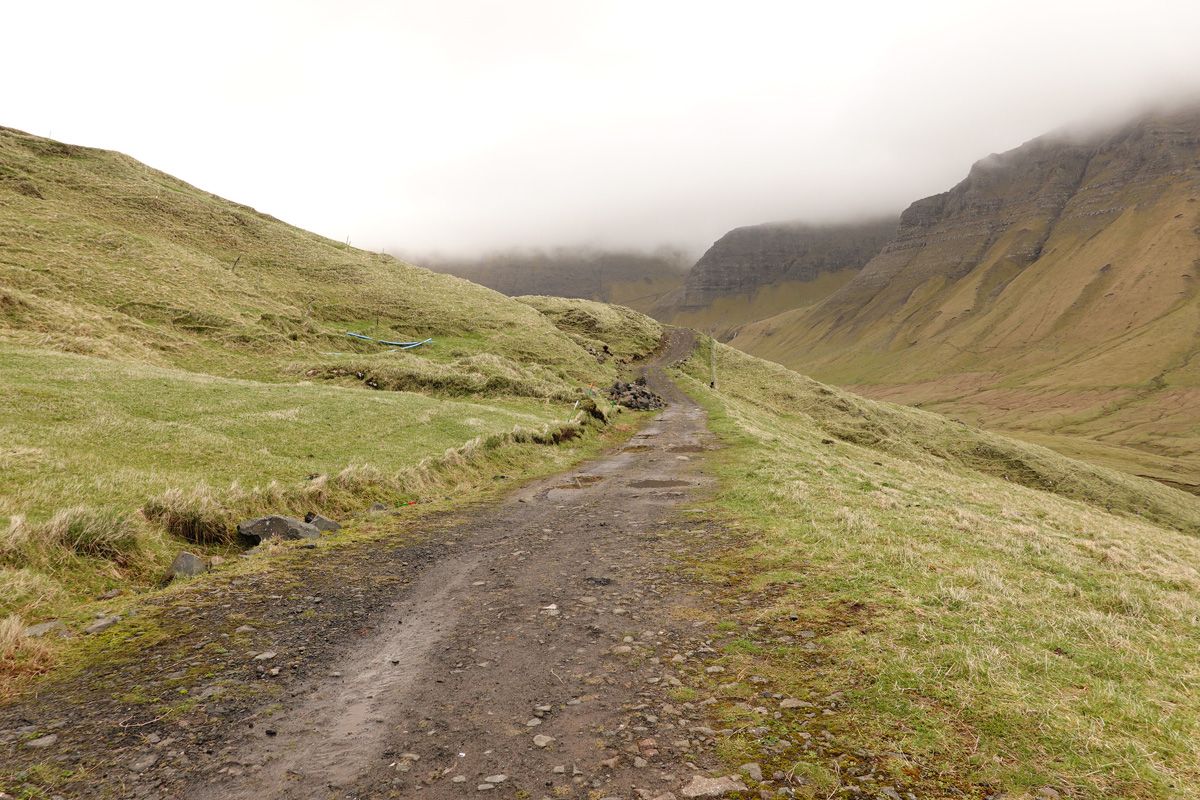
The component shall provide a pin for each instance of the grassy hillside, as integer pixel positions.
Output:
(174, 363)
(995, 634)
(102, 255)
(1053, 293)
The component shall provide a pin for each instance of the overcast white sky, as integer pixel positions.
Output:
(460, 126)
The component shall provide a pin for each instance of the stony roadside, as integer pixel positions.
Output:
(554, 645)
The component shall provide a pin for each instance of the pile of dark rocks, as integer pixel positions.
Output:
(635, 396)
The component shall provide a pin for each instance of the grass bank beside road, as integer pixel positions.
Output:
(1011, 637)
(102, 461)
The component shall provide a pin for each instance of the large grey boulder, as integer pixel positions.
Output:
(275, 525)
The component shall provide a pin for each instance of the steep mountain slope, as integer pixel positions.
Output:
(101, 254)
(758, 271)
(629, 278)
(1052, 293)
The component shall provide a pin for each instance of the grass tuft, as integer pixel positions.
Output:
(87, 532)
(20, 656)
(194, 516)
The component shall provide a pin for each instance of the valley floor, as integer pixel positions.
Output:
(556, 645)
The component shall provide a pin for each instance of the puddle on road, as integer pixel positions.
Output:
(637, 448)
(656, 484)
(580, 481)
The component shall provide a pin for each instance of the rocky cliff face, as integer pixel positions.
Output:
(1036, 217)
(1068, 266)
(746, 260)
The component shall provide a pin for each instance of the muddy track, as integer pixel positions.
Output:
(526, 649)
(525, 624)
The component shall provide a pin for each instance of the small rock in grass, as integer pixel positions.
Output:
(102, 624)
(186, 565)
(792, 702)
(143, 763)
(42, 741)
(56, 627)
(752, 771)
(322, 523)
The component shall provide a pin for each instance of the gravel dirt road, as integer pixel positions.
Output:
(523, 653)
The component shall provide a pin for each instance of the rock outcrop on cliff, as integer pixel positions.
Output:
(758, 271)
(1054, 290)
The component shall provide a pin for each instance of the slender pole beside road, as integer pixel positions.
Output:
(712, 356)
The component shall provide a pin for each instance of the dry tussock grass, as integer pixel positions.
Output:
(20, 656)
(479, 375)
(27, 591)
(75, 532)
(205, 515)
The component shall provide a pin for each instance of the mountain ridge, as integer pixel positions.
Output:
(1063, 273)
(757, 271)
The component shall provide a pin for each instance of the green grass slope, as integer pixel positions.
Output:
(174, 363)
(986, 634)
(102, 255)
